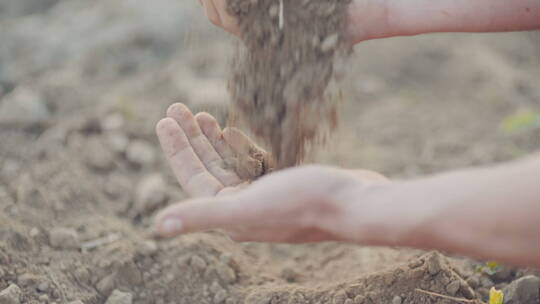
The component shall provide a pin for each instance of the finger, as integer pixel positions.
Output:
(228, 22)
(201, 145)
(212, 131)
(188, 168)
(199, 215)
(211, 12)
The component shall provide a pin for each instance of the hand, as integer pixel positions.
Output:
(368, 19)
(298, 205)
(206, 160)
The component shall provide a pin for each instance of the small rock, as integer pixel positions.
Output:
(76, 302)
(10, 295)
(349, 301)
(434, 264)
(473, 281)
(416, 263)
(147, 248)
(397, 300)
(44, 298)
(24, 105)
(453, 287)
(329, 43)
(226, 273)
(141, 153)
(43, 287)
(220, 296)
(97, 155)
(34, 232)
(117, 142)
(106, 285)
(289, 275)
(522, 291)
(28, 279)
(112, 121)
(340, 297)
(198, 262)
(151, 193)
(119, 297)
(64, 238)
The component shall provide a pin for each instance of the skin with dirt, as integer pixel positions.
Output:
(282, 70)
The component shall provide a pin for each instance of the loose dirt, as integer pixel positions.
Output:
(282, 71)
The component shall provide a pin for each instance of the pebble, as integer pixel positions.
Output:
(220, 297)
(141, 153)
(226, 273)
(453, 287)
(522, 291)
(150, 194)
(113, 121)
(119, 297)
(10, 295)
(106, 285)
(43, 287)
(97, 155)
(76, 302)
(198, 262)
(434, 264)
(64, 238)
(147, 248)
(329, 43)
(397, 300)
(117, 142)
(44, 298)
(24, 106)
(28, 279)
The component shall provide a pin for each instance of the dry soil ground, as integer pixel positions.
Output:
(82, 84)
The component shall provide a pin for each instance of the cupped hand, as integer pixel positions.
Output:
(304, 204)
(206, 160)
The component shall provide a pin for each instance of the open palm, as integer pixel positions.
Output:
(206, 160)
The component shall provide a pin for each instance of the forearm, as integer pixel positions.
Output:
(413, 17)
(486, 213)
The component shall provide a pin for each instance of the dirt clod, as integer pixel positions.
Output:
(523, 291)
(119, 297)
(11, 295)
(64, 238)
(280, 78)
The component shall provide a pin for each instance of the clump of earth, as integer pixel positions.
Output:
(283, 69)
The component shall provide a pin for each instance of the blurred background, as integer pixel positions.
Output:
(83, 82)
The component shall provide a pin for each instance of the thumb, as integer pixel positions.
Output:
(199, 215)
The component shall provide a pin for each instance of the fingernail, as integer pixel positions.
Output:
(171, 226)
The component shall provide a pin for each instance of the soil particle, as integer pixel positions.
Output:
(106, 285)
(150, 194)
(98, 156)
(23, 106)
(119, 297)
(141, 153)
(280, 78)
(453, 287)
(64, 238)
(198, 262)
(522, 291)
(11, 295)
(434, 264)
(397, 300)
